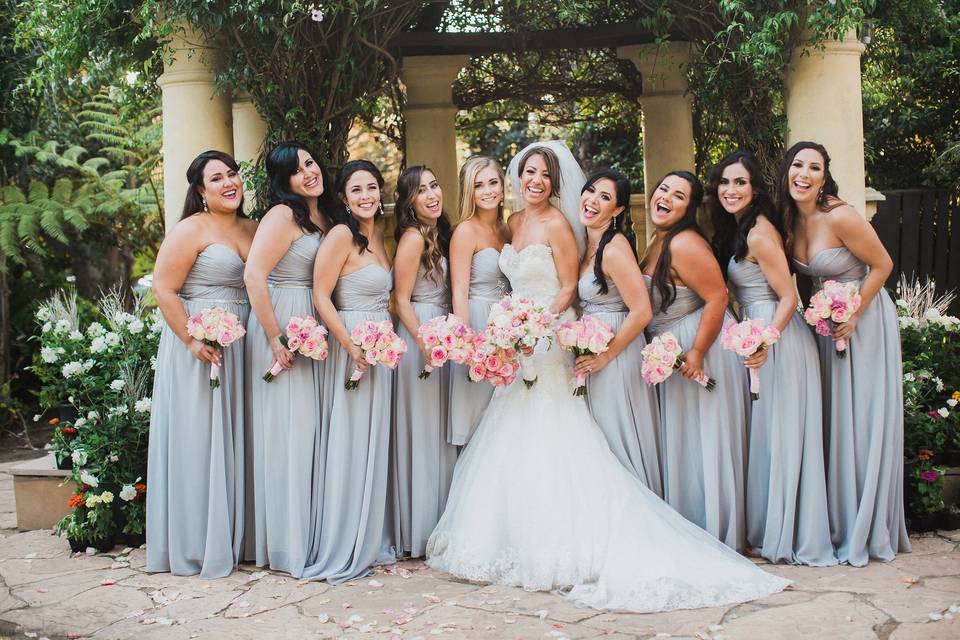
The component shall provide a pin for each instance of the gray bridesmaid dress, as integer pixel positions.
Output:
(863, 422)
(703, 434)
(625, 409)
(284, 417)
(469, 399)
(355, 444)
(196, 451)
(786, 488)
(423, 460)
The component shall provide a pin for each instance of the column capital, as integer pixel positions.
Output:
(850, 45)
(429, 79)
(663, 66)
(188, 58)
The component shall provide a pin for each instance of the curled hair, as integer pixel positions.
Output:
(282, 163)
(342, 213)
(661, 279)
(617, 225)
(193, 203)
(436, 238)
(553, 167)
(827, 198)
(468, 178)
(729, 235)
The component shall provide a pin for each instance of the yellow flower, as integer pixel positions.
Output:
(956, 395)
(106, 497)
(92, 500)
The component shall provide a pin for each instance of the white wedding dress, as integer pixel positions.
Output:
(539, 501)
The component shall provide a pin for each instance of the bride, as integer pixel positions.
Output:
(538, 500)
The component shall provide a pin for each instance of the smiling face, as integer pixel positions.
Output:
(670, 201)
(806, 175)
(362, 195)
(307, 182)
(222, 187)
(428, 205)
(598, 204)
(536, 183)
(487, 190)
(735, 191)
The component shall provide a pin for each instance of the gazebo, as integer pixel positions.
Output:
(823, 102)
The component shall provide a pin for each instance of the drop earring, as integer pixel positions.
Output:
(204, 201)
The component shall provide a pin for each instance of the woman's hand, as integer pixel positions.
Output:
(281, 354)
(204, 352)
(692, 366)
(356, 353)
(844, 330)
(590, 363)
(757, 359)
(424, 350)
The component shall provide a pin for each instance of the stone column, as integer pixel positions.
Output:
(430, 116)
(824, 103)
(195, 118)
(249, 135)
(667, 114)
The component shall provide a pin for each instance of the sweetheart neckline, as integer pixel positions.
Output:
(227, 247)
(814, 256)
(529, 246)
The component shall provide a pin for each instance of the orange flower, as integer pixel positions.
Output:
(68, 432)
(53, 421)
(77, 500)
(925, 454)
(140, 487)
(956, 395)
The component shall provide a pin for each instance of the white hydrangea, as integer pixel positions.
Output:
(88, 478)
(49, 355)
(98, 345)
(906, 322)
(71, 369)
(95, 330)
(135, 326)
(79, 457)
(76, 336)
(142, 405)
(128, 493)
(62, 326)
(118, 384)
(113, 339)
(47, 326)
(88, 364)
(932, 315)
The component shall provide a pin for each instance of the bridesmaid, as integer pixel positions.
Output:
(284, 414)
(786, 490)
(475, 280)
(195, 463)
(863, 397)
(351, 283)
(423, 460)
(611, 288)
(703, 434)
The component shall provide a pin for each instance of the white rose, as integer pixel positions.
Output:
(98, 345)
(71, 369)
(118, 410)
(932, 314)
(952, 403)
(142, 405)
(135, 326)
(79, 457)
(943, 412)
(43, 313)
(76, 335)
(46, 327)
(95, 330)
(909, 377)
(118, 384)
(80, 422)
(901, 303)
(128, 493)
(113, 339)
(62, 326)
(88, 478)
(49, 355)
(93, 415)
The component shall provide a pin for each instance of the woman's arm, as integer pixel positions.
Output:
(276, 233)
(620, 266)
(462, 246)
(406, 265)
(696, 266)
(766, 248)
(566, 259)
(176, 257)
(332, 256)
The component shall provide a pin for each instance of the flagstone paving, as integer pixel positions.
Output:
(45, 592)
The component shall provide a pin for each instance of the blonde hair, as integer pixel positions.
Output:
(468, 176)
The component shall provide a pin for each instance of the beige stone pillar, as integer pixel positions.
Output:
(249, 135)
(430, 116)
(667, 114)
(195, 118)
(824, 103)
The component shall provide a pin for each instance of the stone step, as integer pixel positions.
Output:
(41, 492)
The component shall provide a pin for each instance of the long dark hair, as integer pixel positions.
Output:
(342, 212)
(661, 275)
(827, 198)
(282, 163)
(729, 235)
(193, 203)
(436, 238)
(617, 225)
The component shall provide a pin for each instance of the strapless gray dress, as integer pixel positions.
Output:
(423, 460)
(703, 434)
(786, 488)
(355, 443)
(863, 419)
(624, 407)
(195, 468)
(468, 400)
(284, 423)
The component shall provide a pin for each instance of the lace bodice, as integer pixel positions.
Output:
(531, 272)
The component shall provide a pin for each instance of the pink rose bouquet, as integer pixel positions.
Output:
(487, 361)
(747, 338)
(446, 338)
(218, 328)
(584, 336)
(835, 303)
(304, 336)
(380, 345)
(518, 323)
(662, 356)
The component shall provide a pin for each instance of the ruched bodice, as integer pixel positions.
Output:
(531, 272)
(427, 290)
(748, 284)
(836, 263)
(595, 302)
(686, 302)
(295, 268)
(487, 282)
(216, 276)
(366, 289)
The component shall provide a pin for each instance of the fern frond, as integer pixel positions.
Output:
(51, 222)
(62, 190)
(37, 191)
